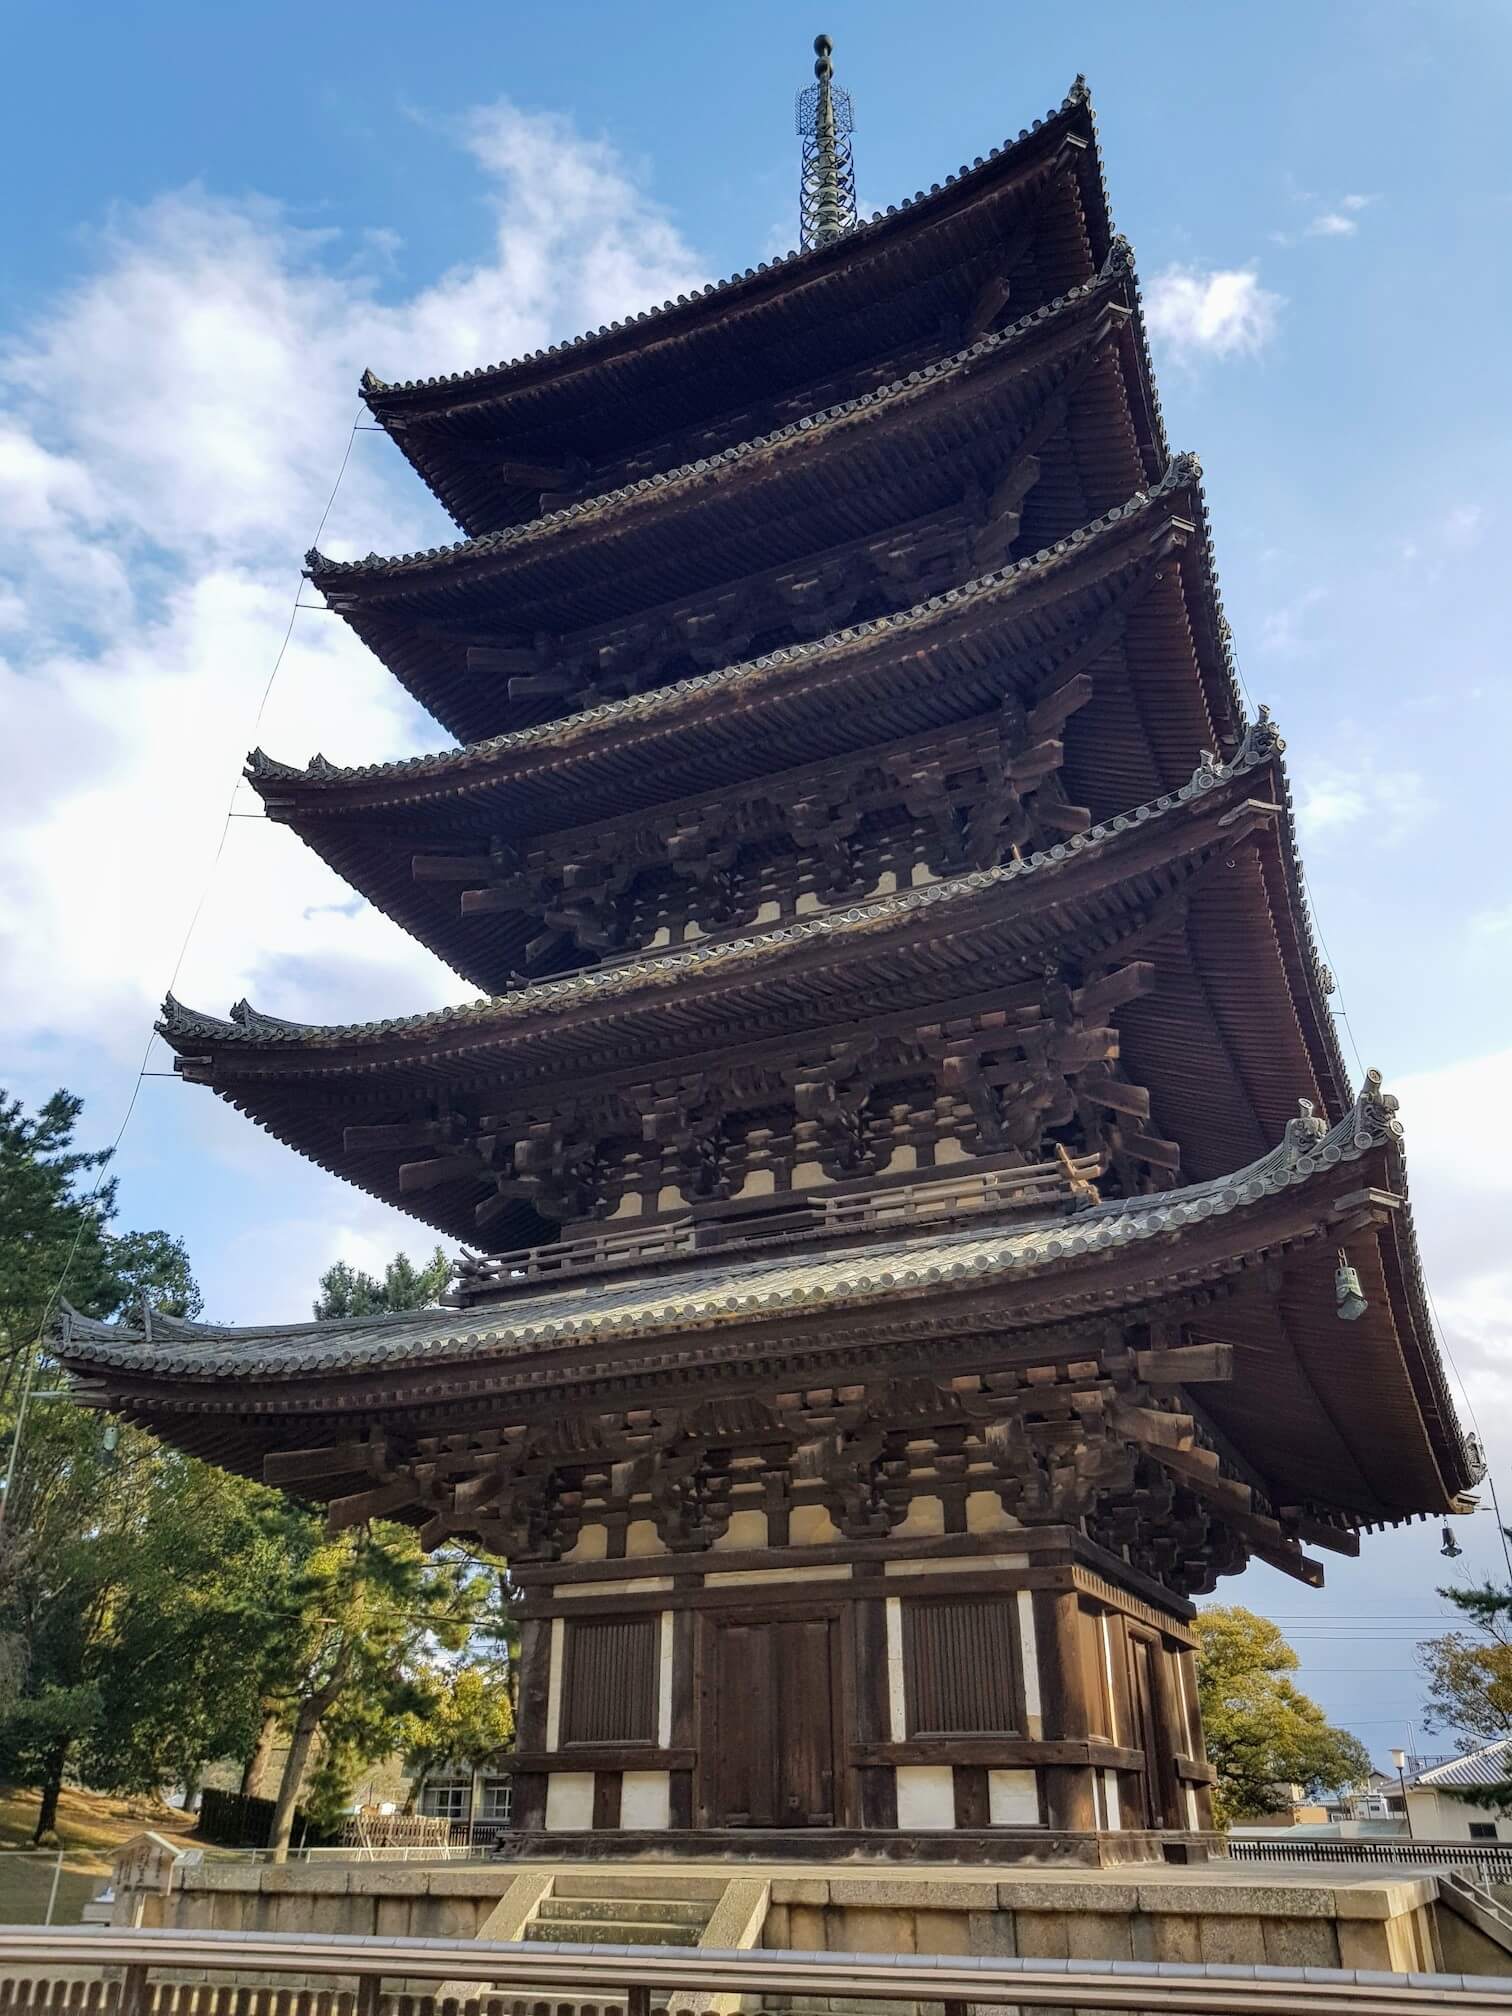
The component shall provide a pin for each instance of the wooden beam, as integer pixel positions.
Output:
(297, 1466)
(452, 867)
(1337, 1539)
(372, 1504)
(1186, 1365)
(1154, 1429)
(399, 1134)
(503, 659)
(564, 475)
(1301, 1567)
(1050, 714)
(440, 1169)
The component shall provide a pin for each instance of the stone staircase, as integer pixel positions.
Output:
(624, 1908)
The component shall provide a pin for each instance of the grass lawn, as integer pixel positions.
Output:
(90, 1819)
(33, 1888)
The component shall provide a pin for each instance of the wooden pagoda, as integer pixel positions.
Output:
(919, 1227)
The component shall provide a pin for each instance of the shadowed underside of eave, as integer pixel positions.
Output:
(1353, 1417)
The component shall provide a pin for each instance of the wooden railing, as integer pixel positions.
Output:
(40, 1972)
(933, 1198)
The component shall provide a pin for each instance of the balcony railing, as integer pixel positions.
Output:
(931, 1199)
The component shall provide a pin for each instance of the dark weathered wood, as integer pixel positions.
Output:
(1065, 1697)
(606, 1798)
(609, 1684)
(962, 1666)
(1187, 1365)
(995, 1752)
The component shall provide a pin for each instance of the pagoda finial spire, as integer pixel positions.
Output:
(827, 194)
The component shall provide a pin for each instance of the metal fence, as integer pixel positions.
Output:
(51, 1886)
(1491, 1859)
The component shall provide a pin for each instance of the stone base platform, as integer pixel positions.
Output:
(1029, 1847)
(1212, 1912)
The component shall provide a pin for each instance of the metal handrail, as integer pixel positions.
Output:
(634, 1972)
(1377, 1851)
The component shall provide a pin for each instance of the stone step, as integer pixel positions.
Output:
(600, 1883)
(625, 1909)
(610, 1932)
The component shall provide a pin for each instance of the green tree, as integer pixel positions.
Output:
(55, 1212)
(1469, 1675)
(102, 1530)
(469, 1720)
(348, 1291)
(361, 1657)
(1262, 1731)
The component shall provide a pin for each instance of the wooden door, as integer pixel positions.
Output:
(769, 1739)
(1149, 1729)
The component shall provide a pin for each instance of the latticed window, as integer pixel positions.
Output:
(609, 1685)
(962, 1663)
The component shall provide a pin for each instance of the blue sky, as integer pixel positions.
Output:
(228, 212)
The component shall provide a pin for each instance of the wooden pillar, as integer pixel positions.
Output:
(684, 1713)
(1065, 1706)
(1184, 1668)
(876, 1798)
(530, 1735)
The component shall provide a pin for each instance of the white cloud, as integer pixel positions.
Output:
(1333, 224)
(1461, 1202)
(169, 432)
(1396, 802)
(1462, 526)
(1284, 626)
(1197, 312)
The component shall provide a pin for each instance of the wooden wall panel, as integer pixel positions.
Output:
(610, 1680)
(962, 1666)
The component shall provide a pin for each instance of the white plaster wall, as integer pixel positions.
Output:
(569, 1802)
(1013, 1798)
(926, 1796)
(645, 1800)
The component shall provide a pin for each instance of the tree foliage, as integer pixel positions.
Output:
(54, 1220)
(1263, 1732)
(361, 1658)
(157, 1614)
(1469, 1676)
(468, 1720)
(113, 1552)
(348, 1291)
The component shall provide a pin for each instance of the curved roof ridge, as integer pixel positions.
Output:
(1182, 471)
(774, 1283)
(375, 388)
(1262, 745)
(1115, 270)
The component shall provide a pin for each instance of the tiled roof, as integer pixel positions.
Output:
(722, 1291)
(375, 390)
(1262, 746)
(1182, 473)
(1117, 269)
(1490, 1765)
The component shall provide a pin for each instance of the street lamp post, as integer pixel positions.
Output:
(1399, 1758)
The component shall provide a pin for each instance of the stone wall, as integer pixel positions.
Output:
(1208, 1914)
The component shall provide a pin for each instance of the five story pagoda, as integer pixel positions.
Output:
(919, 1230)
